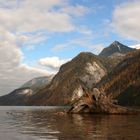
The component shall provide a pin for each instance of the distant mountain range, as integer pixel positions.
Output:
(21, 95)
(116, 71)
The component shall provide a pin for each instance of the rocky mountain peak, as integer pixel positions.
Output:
(115, 47)
(116, 43)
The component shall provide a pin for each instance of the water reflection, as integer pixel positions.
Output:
(43, 124)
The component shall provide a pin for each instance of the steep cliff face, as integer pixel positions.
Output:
(86, 69)
(123, 83)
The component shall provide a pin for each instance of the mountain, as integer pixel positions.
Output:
(16, 97)
(123, 83)
(85, 70)
(20, 96)
(115, 49)
(37, 83)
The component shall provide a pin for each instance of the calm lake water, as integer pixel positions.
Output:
(41, 123)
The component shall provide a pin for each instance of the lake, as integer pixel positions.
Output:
(42, 123)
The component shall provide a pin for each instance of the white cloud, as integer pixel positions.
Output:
(30, 15)
(73, 43)
(52, 62)
(85, 31)
(96, 48)
(78, 10)
(31, 41)
(25, 23)
(12, 72)
(126, 19)
(84, 42)
(137, 46)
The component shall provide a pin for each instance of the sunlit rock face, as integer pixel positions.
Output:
(93, 74)
(77, 93)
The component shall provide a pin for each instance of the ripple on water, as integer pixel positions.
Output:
(41, 124)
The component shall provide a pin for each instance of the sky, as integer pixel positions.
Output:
(38, 36)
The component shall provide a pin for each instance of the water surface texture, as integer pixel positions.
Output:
(41, 123)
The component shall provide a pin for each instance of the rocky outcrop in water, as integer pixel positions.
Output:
(96, 102)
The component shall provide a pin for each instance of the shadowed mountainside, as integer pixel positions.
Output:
(123, 83)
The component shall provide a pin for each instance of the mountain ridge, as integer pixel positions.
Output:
(20, 96)
(85, 70)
